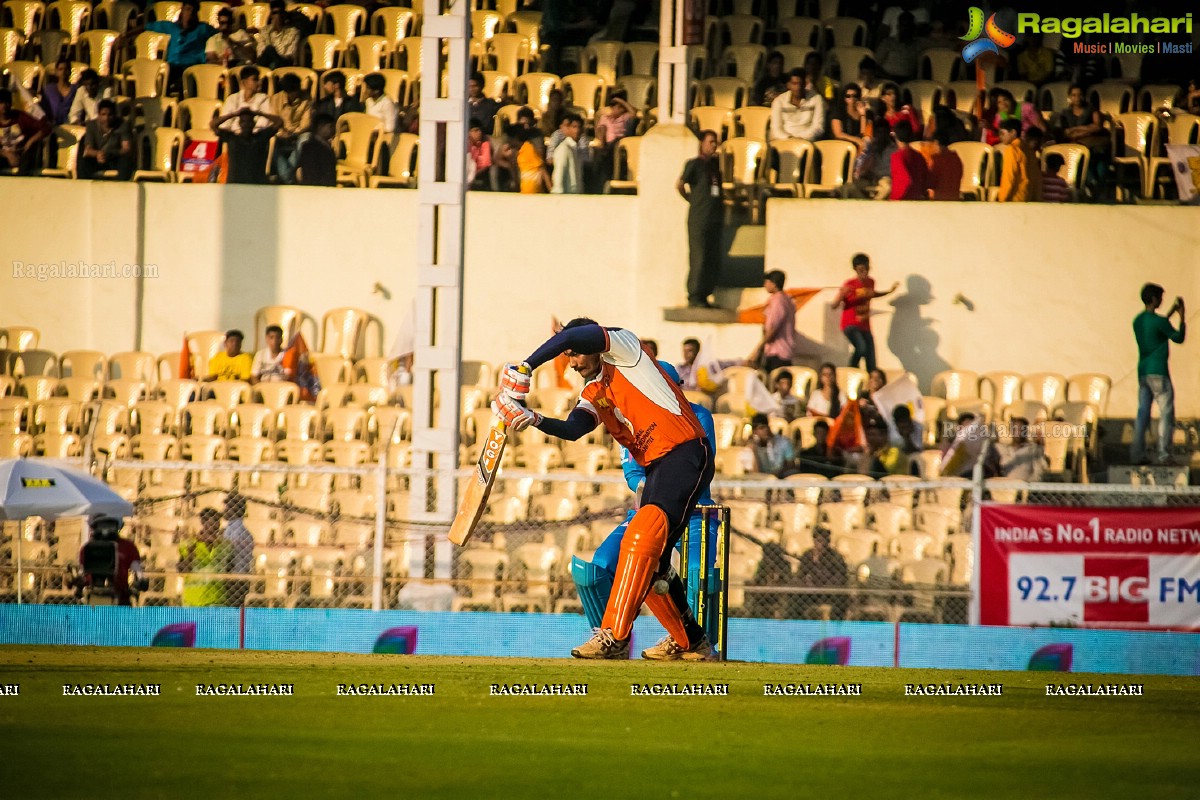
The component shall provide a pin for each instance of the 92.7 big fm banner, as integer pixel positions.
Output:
(1089, 567)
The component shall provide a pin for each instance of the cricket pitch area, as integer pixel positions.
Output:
(464, 741)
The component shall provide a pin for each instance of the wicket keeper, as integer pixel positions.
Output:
(646, 413)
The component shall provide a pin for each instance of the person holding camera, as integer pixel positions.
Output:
(1154, 334)
(107, 560)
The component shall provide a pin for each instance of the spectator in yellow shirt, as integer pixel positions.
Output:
(1020, 173)
(233, 364)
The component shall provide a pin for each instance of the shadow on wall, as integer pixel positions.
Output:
(911, 337)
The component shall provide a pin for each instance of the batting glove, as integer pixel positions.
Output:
(516, 416)
(514, 382)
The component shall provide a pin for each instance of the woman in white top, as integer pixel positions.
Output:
(827, 399)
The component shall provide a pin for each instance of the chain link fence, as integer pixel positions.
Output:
(325, 536)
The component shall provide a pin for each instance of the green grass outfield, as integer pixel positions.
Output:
(463, 743)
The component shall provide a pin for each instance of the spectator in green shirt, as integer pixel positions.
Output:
(1154, 334)
(205, 559)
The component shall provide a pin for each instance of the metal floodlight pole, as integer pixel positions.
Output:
(445, 54)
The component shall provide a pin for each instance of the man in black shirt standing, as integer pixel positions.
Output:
(700, 185)
(246, 149)
(317, 165)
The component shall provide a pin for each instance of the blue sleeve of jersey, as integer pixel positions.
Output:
(635, 473)
(587, 339)
(578, 423)
(706, 422)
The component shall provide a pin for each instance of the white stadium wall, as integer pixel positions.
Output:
(1046, 288)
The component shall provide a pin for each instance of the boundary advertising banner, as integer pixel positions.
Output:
(1089, 567)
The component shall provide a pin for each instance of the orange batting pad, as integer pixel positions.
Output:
(641, 547)
(663, 607)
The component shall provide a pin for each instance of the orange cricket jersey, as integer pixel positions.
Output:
(636, 402)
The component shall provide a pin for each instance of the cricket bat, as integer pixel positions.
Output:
(474, 499)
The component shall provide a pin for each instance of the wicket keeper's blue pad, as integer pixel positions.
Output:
(635, 473)
(593, 584)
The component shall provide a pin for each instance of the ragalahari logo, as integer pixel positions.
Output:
(995, 36)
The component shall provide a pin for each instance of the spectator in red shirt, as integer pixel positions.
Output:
(854, 298)
(945, 169)
(910, 175)
(19, 136)
(1054, 187)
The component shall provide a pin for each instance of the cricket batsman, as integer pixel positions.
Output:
(594, 579)
(627, 392)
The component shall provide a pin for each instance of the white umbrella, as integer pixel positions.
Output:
(35, 488)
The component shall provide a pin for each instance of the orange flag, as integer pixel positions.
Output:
(295, 361)
(185, 361)
(846, 433)
(756, 314)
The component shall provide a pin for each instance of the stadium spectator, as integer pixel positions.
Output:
(247, 96)
(910, 173)
(241, 549)
(1022, 459)
(531, 160)
(231, 364)
(479, 157)
(823, 567)
(479, 106)
(772, 83)
(868, 78)
(128, 559)
(268, 362)
(1079, 123)
(815, 77)
(889, 20)
(945, 169)
(873, 167)
(773, 453)
(906, 433)
(505, 176)
(798, 113)
(295, 110)
(784, 394)
(774, 569)
(1036, 62)
(229, 47)
(1002, 106)
(945, 120)
(107, 145)
(880, 457)
(828, 398)
(85, 107)
(700, 186)
(379, 105)
(247, 148)
(278, 45)
(854, 298)
(1054, 186)
(58, 93)
(652, 346)
(189, 37)
(1020, 176)
(687, 367)
(568, 166)
(19, 136)
(849, 121)
(897, 55)
(775, 348)
(553, 114)
(335, 101)
(894, 111)
(1154, 335)
(316, 164)
(612, 125)
(821, 459)
(876, 380)
(204, 559)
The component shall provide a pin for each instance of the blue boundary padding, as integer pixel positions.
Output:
(553, 636)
